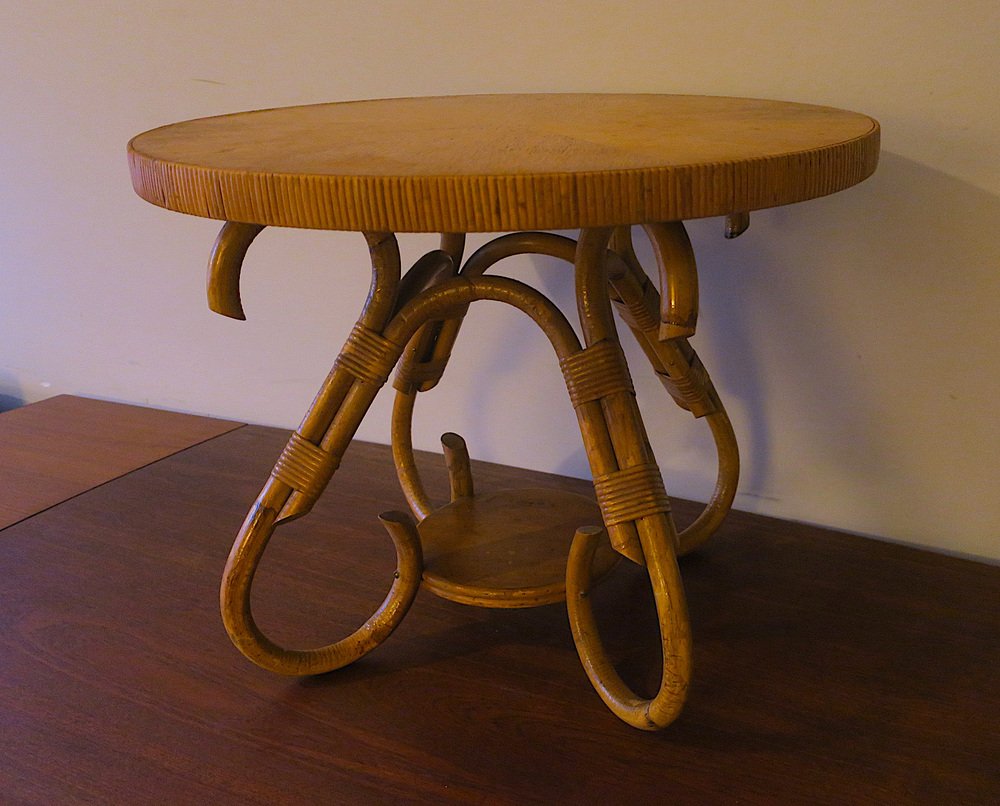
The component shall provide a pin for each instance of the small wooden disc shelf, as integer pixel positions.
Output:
(507, 549)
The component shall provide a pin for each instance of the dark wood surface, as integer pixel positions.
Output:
(63, 446)
(828, 668)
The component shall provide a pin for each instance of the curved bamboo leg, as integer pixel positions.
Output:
(423, 364)
(303, 471)
(627, 482)
(631, 496)
(359, 372)
(673, 359)
(311, 456)
(663, 708)
(247, 636)
(660, 329)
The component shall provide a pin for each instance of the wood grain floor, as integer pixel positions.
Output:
(66, 445)
(828, 668)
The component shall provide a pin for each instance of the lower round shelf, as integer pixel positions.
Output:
(507, 549)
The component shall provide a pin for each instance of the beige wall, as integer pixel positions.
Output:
(855, 337)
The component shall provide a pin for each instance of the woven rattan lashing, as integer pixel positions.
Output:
(305, 467)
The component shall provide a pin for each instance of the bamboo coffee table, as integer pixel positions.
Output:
(516, 164)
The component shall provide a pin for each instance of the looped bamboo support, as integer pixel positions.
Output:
(238, 618)
(675, 635)
(341, 393)
(677, 365)
(635, 507)
(302, 473)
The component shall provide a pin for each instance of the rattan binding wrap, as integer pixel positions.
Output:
(627, 495)
(690, 389)
(595, 372)
(305, 467)
(368, 356)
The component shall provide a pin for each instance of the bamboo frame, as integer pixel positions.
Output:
(411, 322)
(506, 163)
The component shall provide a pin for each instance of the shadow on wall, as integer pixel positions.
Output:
(877, 309)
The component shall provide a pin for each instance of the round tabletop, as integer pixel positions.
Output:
(494, 163)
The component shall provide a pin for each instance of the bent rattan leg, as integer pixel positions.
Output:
(247, 636)
(313, 452)
(631, 495)
(662, 334)
(671, 611)
(423, 364)
(661, 331)
(303, 471)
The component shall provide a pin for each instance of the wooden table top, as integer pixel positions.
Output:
(831, 669)
(490, 163)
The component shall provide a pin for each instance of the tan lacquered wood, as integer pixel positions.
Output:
(506, 549)
(502, 162)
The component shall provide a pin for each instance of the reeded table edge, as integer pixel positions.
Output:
(498, 203)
